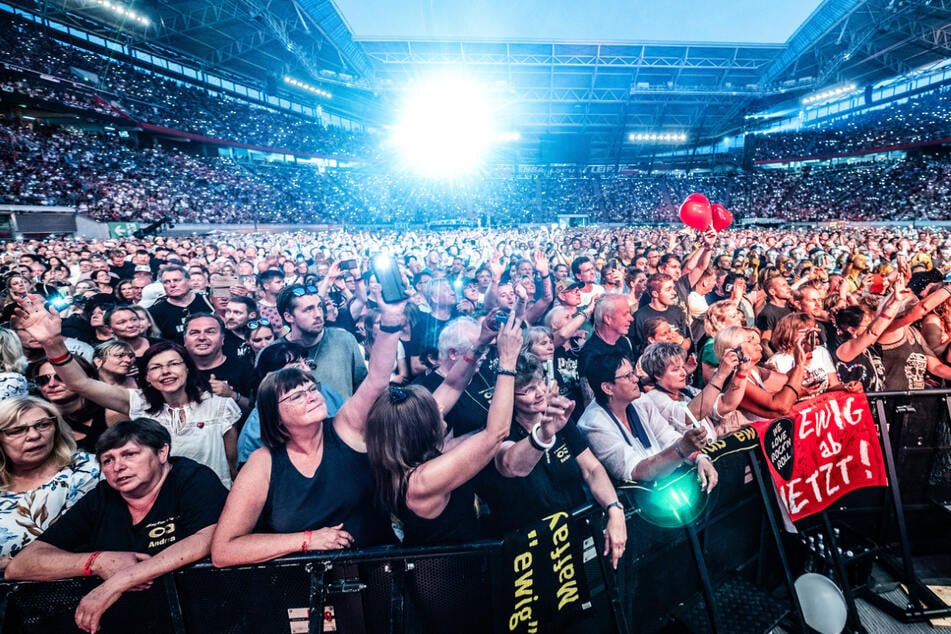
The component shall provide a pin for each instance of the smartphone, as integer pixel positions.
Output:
(57, 302)
(500, 319)
(347, 265)
(387, 273)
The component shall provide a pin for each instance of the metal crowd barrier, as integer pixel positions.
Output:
(729, 569)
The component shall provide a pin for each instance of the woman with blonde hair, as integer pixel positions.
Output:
(769, 394)
(720, 315)
(12, 366)
(41, 472)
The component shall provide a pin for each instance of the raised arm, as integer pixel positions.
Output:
(517, 459)
(46, 328)
(351, 419)
(431, 483)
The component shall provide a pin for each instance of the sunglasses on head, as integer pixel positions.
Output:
(254, 324)
(300, 291)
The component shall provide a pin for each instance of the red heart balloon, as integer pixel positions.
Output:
(695, 212)
(722, 218)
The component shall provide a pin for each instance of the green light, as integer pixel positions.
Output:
(674, 501)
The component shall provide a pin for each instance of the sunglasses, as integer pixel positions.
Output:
(300, 291)
(43, 380)
(254, 324)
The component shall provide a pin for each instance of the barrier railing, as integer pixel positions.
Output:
(726, 567)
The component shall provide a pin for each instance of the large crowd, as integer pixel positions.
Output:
(250, 396)
(110, 179)
(375, 383)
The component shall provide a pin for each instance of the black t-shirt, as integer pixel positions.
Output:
(674, 315)
(770, 316)
(457, 524)
(595, 347)
(237, 348)
(237, 373)
(471, 411)
(424, 338)
(170, 319)
(191, 499)
(555, 484)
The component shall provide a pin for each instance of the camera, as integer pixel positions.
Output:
(740, 355)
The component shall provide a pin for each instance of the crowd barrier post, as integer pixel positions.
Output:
(922, 603)
(765, 491)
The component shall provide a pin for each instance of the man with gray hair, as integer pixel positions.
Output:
(464, 341)
(612, 318)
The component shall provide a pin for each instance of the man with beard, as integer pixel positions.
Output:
(334, 352)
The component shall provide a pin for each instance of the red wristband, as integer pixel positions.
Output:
(469, 359)
(87, 567)
(740, 376)
(58, 360)
(305, 546)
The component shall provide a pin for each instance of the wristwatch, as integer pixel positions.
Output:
(614, 504)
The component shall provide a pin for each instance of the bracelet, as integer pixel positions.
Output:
(468, 359)
(504, 372)
(60, 361)
(715, 386)
(536, 441)
(615, 504)
(391, 329)
(87, 567)
(696, 456)
(305, 545)
(235, 396)
(794, 391)
(680, 452)
(741, 377)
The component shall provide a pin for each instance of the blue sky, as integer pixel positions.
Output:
(759, 21)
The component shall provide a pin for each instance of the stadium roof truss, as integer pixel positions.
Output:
(594, 93)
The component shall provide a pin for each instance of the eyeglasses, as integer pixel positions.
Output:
(625, 377)
(300, 291)
(254, 324)
(44, 424)
(532, 389)
(43, 380)
(300, 396)
(171, 365)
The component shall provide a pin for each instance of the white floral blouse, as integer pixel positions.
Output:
(24, 516)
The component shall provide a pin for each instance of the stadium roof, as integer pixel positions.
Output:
(576, 97)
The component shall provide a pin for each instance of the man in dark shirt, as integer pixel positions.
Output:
(180, 301)
(778, 295)
(150, 516)
(663, 303)
(230, 378)
(612, 320)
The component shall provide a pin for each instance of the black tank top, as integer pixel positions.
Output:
(340, 491)
(457, 524)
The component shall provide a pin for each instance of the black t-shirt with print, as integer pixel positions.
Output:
(191, 499)
(471, 411)
(555, 484)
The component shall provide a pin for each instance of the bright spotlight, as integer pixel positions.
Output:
(445, 128)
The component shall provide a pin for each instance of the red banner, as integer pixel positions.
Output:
(826, 447)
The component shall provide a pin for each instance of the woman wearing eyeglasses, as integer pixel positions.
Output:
(115, 363)
(310, 487)
(171, 391)
(41, 472)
